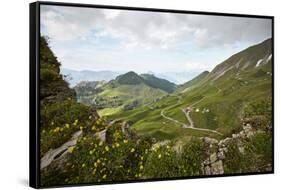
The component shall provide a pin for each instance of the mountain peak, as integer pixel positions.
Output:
(129, 78)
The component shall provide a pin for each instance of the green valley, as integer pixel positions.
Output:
(123, 129)
(216, 99)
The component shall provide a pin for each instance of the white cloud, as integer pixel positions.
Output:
(151, 29)
(89, 38)
(110, 13)
(195, 66)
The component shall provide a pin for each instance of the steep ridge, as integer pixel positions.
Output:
(252, 58)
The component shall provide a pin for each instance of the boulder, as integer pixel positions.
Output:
(213, 157)
(217, 168)
(210, 140)
(207, 170)
(221, 155)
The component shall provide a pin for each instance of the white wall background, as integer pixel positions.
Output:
(14, 26)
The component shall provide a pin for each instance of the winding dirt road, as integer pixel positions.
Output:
(169, 118)
(186, 112)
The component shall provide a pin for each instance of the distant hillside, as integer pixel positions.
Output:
(156, 82)
(130, 78)
(126, 92)
(86, 88)
(74, 77)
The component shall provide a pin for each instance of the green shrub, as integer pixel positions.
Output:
(94, 161)
(165, 162)
(49, 75)
(259, 114)
(257, 155)
(60, 120)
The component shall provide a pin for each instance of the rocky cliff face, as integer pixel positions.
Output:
(214, 164)
(58, 105)
(52, 86)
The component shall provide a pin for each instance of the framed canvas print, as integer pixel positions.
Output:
(125, 94)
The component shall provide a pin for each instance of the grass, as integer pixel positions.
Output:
(109, 111)
(225, 107)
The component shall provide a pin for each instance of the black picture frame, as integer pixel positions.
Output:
(34, 84)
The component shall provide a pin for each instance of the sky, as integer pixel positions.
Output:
(122, 40)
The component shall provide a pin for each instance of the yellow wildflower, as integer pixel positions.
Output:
(159, 156)
(157, 146)
(70, 149)
(96, 165)
(83, 165)
(81, 128)
(91, 152)
(94, 128)
(141, 167)
(98, 122)
(107, 148)
(125, 141)
(104, 176)
(57, 129)
(132, 150)
(75, 122)
(101, 143)
(117, 145)
(98, 161)
(67, 126)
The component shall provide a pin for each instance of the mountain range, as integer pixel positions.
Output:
(74, 76)
(214, 100)
(126, 92)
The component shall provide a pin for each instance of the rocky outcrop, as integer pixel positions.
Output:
(213, 165)
(53, 87)
(59, 152)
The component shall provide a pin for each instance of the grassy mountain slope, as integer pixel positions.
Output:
(217, 101)
(126, 92)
